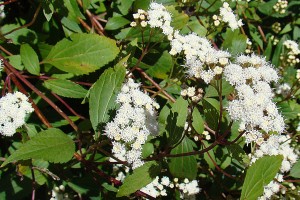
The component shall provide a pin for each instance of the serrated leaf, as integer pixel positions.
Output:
(83, 53)
(116, 22)
(15, 61)
(211, 91)
(51, 145)
(30, 59)
(258, 175)
(65, 88)
(198, 123)
(103, 95)
(140, 177)
(184, 166)
(179, 18)
(211, 109)
(295, 171)
(234, 42)
(289, 109)
(23, 35)
(176, 121)
(162, 66)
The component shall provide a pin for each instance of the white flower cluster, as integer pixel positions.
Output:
(229, 17)
(293, 51)
(58, 193)
(251, 77)
(2, 13)
(202, 60)
(283, 89)
(281, 6)
(298, 75)
(134, 122)
(158, 187)
(276, 145)
(159, 17)
(13, 109)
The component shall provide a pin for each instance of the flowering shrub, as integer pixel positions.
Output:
(164, 99)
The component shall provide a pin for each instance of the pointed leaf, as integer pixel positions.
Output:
(83, 53)
(30, 59)
(258, 175)
(185, 166)
(103, 95)
(295, 171)
(65, 88)
(140, 177)
(51, 145)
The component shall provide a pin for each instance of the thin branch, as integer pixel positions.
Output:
(38, 92)
(67, 106)
(8, 2)
(35, 107)
(30, 23)
(33, 184)
(262, 34)
(155, 84)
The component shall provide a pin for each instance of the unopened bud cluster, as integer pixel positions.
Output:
(274, 40)
(249, 46)
(276, 27)
(280, 6)
(140, 18)
(292, 52)
(192, 93)
(58, 193)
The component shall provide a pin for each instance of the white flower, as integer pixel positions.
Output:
(13, 109)
(135, 120)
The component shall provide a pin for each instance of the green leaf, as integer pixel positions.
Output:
(267, 8)
(234, 42)
(162, 66)
(184, 166)
(51, 145)
(211, 109)
(71, 25)
(103, 95)
(278, 49)
(148, 149)
(176, 121)
(48, 9)
(226, 89)
(258, 175)
(198, 122)
(83, 53)
(30, 59)
(65, 88)
(286, 29)
(295, 171)
(179, 18)
(196, 27)
(289, 109)
(116, 22)
(140, 177)
(15, 61)
(23, 35)
(124, 6)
